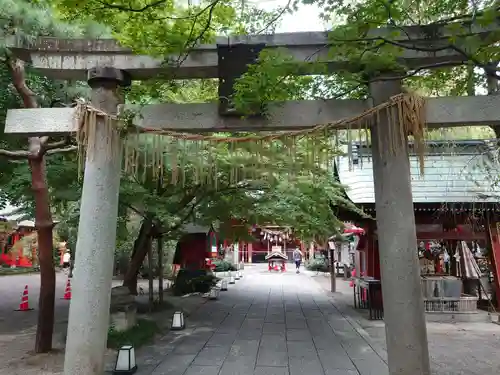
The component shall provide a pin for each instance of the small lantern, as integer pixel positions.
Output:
(231, 280)
(223, 285)
(237, 277)
(214, 293)
(178, 321)
(240, 274)
(125, 361)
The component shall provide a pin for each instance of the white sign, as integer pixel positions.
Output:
(275, 248)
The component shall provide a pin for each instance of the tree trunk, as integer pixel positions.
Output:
(138, 255)
(160, 269)
(43, 216)
(150, 274)
(44, 227)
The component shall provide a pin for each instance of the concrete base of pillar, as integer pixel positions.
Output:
(124, 320)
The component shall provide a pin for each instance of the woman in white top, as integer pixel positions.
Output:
(66, 259)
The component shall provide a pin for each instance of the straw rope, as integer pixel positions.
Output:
(405, 112)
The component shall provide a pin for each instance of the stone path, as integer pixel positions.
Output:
(454, 348)
(266, 324)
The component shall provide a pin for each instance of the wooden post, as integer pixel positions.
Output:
(159, 244)
(333, 273)
(406, 333)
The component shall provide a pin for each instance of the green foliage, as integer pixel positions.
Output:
(20, 22)
(188, 281)
(136, 24)
(273, 78)
(317, 265)
(274, 189)
(140, 334)
(223, 266)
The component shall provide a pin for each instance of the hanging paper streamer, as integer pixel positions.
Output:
(176, 158)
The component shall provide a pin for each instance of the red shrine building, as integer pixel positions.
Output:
(455, 200)
(269, 238)
(11, 254)
(199, 243)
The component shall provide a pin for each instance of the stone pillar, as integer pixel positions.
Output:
(404, 317)
(89, 310)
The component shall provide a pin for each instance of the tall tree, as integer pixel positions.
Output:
(24, 20)
(38, 148)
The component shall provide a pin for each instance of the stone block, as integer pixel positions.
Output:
(237, 368)
(211, 356)
(298, 335)
(272, 358)
(174, 364)
(121, 299)
(202, 370)
(337, 359)
(261, 370)
(301, 349)
(125, 319)
(221, 339)
(305, 366)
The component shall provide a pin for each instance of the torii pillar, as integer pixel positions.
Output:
(89, 309)
(405, 329)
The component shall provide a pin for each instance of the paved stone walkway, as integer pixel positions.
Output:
(266, 324)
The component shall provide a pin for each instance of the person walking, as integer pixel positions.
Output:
(66, 259)
(297, 258)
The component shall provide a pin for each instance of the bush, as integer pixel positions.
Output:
(318, 265)
(188, 281)
(223, 266)
(140, 334)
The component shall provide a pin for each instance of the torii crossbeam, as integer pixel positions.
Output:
(107, 66)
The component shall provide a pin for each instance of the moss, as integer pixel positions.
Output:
(142, 333)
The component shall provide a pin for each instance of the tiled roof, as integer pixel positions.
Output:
(455, 172)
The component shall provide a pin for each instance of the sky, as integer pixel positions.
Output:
(305, 19)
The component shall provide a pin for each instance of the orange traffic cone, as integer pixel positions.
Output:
(67, 291)
(24, 305)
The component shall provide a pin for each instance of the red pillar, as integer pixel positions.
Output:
(495, 256)
(249, 251)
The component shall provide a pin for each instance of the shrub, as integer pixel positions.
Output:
(189, 281)
(142, 333)
(318, 265)
(223, 266)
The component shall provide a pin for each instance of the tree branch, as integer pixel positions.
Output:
(61, 150)
(130, 9)
(16, 69)
(129, 206)
(15, 154)
(55, 145)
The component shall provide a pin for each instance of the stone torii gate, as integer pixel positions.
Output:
(108, 66)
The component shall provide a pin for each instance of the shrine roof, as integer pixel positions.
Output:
(191, 228)
(455, 172)
(278, 255)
